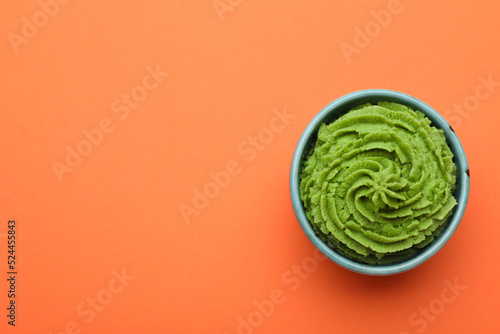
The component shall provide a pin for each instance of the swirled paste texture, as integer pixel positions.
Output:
(378, 184)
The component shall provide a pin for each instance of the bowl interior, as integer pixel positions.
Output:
(341, 106)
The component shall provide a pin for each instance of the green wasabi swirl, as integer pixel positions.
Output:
(378, 184)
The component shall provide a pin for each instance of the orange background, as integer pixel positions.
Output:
(120, 207)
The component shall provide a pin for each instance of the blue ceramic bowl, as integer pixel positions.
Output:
(329, 114)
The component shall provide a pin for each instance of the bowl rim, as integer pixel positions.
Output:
(460, 159)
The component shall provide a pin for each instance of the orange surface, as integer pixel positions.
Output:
(237, 262)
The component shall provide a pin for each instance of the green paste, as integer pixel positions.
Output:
(378, 184)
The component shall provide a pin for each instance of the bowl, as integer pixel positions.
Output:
(329, 114)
